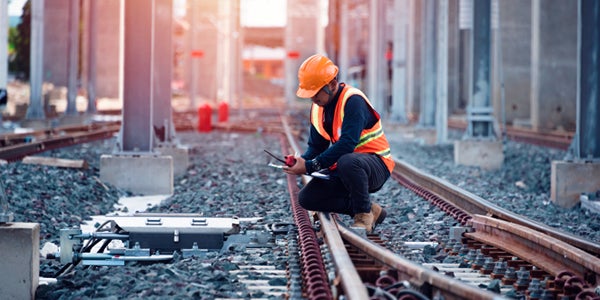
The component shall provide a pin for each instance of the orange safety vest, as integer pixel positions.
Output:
(371, 140)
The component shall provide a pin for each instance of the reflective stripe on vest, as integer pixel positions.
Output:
(371, 140)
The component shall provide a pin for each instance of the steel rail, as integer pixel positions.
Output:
(351, 282)
(548, 253)
(558, 140)
(475, 205)
(441, 284)
(18, 151)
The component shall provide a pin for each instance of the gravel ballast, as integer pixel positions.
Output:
(228, 176)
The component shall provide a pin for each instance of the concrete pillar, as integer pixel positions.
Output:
(91, 20)
(398, 113)
(480, 146)
(441, 116)
(56, 42)
(35, 112)
(344, 32)
(162, 119)
(512, 65)
(465, 24)
(147, 77)
(20, 264)
(453, 56)
(570, 179)
(73, 57)
(376, 67)
(413, 67)
(553, 64)
(428, 64)
(108, 69)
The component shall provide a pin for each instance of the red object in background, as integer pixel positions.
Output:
(223, 111)
(197, 53)
(293, 54)
(204, 117)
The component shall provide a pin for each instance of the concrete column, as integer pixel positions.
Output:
(147, 77)
(465, 23)
(428, 64)
(480, 146)
(20, 248)
(511, 67)
(413, 67)
(479, 102)
(35, 110)
(588, 96)
(163, 126)
(73, 57)
(162, 120)
(109, 67)
(399, 61)
(139, 72)
(441, 116)
(91, 21)
(453, 56)
(344, 53)
(376, 59)
(570, 179)
(553, 64)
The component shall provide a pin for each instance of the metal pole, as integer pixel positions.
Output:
(35, 111)
(73, 58)
(162, 58)
(441, 123)
(375, 57)
(399, 61)
(91, 84)
(344, 31)
(480, 117)
(428, 65)
(588, 94)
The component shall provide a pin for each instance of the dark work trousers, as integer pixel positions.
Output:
(347, 191)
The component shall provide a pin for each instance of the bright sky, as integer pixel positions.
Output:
(253, 12)
(263, 12)
(15, 7)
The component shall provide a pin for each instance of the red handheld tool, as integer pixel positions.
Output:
(289, 159)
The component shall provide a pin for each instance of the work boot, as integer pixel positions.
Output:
(364, 220)
(379, 214)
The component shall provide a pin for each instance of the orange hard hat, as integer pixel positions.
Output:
(314, 73)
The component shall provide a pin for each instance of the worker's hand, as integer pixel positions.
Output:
(298, 168)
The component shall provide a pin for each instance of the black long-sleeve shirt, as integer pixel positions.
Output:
(357, 117)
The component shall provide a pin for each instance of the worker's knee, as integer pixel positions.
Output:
(346, 162)
(304, 199)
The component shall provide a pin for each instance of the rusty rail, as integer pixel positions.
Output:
(19, 145)
(474, 204)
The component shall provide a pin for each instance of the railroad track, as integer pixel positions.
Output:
(498, 250)
(15, 146)
(519, 254)
(556, 139)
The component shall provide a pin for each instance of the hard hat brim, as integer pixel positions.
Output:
(304, 93)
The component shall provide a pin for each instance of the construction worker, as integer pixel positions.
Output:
(346, 141)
